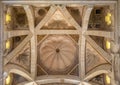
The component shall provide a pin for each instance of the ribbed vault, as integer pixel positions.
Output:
(57, 48)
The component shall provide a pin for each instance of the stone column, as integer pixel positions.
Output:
(1, 45)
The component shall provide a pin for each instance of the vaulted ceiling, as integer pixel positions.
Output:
(58, 44)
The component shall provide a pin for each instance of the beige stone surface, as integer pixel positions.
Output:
(63, 56)
(57, 53)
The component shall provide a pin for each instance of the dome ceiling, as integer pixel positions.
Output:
(57, 53)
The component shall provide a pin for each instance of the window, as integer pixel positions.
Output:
(98, 11)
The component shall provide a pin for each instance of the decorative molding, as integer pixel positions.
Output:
(85, 2)
(11, 68)
(82, 41)
(43, 32)
(100, 33)
(55, 79)
(86, 16)
(102, 69)
(10, 34)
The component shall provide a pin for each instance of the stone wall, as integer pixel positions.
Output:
(1, 37)
(117, 54)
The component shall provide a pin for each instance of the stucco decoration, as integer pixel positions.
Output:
(57, 53)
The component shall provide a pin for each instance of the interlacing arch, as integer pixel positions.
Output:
(84, 37)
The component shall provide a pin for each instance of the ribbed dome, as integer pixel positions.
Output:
(57, 53)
